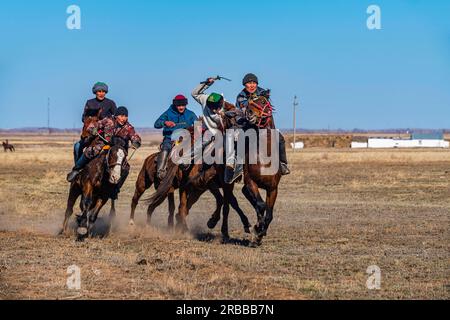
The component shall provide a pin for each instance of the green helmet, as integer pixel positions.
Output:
(214, 101)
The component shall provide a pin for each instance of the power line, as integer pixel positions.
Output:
(48, 115)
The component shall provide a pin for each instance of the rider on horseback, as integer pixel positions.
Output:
(212, 105)
(176, 117)
(252, 90)
(108, 130)
(100, 105)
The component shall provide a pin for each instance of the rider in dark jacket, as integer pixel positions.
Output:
(176, 117)
(100, 103)
(250, 82)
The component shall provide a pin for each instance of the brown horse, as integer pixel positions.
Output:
(259, 115)
(192, 184)
(95, 184)
(7, 146)
(148, 177)
(259, 111)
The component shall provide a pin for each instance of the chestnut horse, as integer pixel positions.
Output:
(148, 177)
(259, 111)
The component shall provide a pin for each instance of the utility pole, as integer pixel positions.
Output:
(295, 122)
(48, 115)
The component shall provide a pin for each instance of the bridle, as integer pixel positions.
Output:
(112, 165)
(259, 114)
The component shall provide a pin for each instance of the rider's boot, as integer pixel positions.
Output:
(77, 150)
(81, 163)
(229, 173)
(161, 164)
(238, 169)
(283, 158)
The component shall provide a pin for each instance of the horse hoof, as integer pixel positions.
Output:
(247, 229)
(225, 238)
(252, 244)
(212, 223)
(131, 223)
(82, 231)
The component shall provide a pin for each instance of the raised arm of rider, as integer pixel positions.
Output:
(198, 93)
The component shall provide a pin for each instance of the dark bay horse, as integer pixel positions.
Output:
(7, 146)
(95, 184)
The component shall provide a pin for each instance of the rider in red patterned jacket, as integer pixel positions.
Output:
(110, 130)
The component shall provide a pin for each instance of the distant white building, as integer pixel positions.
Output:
(298, 145)
(376, 143)
(418, 140)
(359, 145)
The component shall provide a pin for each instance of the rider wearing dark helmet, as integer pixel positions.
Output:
(251, 89)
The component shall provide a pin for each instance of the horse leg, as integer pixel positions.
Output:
(235, 205)
(226, 211)
(74, 193)
(82, 230)
(270, 202)
(171, 199)
(138, 192)
(152, 208)
(112, 211)
(251, 192)
(182, 211)
(93, 213)
(112, 214)
(212, 222)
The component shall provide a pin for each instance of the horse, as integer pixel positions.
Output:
(96, 184)
(259, 114)
(148, 177)
(192, 184)
(7, 146)
(86, 138)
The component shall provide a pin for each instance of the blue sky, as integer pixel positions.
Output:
(345, 75)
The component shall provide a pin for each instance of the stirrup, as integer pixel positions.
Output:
(238, 170)
(284, 169)
(72, 175)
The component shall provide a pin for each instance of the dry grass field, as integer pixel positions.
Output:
(339, 212)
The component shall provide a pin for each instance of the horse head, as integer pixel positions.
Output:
(91, 116)
(259, 112)
(115, 159)
(228, 115)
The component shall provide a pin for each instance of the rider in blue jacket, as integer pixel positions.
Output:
(176, 117)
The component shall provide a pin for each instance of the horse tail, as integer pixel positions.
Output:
(164, 187)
